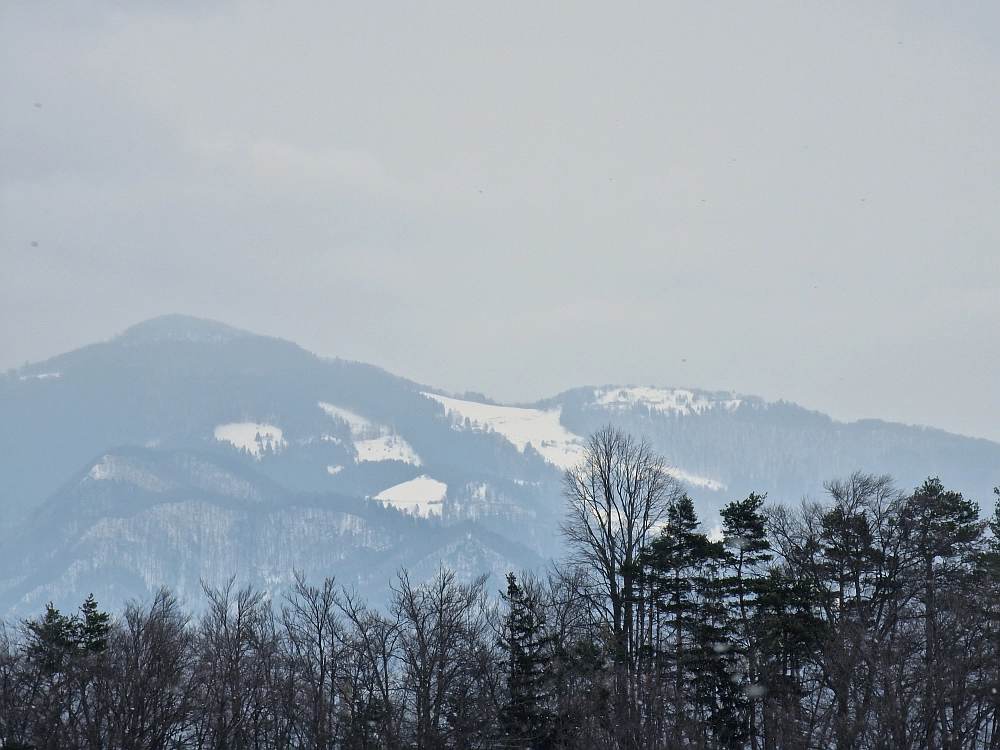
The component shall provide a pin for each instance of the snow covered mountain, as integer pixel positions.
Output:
(185, 448)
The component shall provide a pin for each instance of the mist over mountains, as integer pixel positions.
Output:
(186, 449)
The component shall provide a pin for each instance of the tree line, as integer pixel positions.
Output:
(867, 619)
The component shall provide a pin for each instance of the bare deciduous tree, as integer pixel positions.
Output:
(236, 649)
(313, 645)
(447, 656)
(149, 695)
(617, 497)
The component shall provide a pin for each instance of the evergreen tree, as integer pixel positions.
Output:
(680, 572)
(943, 530)
(789, 637)
(747, 554)
(53, 639)
(66, 654)
(990, 559)
(93, 627)
(527, 718)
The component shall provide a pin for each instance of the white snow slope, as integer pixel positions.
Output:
(373, 442)
(520, 426)
(256, 438)
(660, 399)
(560, 447)
(422, 496)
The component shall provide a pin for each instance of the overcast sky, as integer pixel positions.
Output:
(796, 200)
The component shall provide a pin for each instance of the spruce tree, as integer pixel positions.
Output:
(93, 627)
(747, 554)
(680, 569)
(943, 530)
(527, 718)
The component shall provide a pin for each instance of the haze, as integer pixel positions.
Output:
(794, 200)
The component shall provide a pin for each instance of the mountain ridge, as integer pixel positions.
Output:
(295, 425)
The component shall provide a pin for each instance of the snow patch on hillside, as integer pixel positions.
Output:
(422, 496)
(388, 448)
(676, 400)
(543, 430)
(103, 470)
(256, 438)
(122, 469)
(360, 427)
(41, 376)
(521, 426)
(373, 442)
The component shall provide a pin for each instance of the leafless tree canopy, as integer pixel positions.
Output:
(617, 497)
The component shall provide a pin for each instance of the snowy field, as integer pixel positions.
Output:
(422, 496)
(520, 426)
(373, 442)
(557, 445)
(256, 438)
(675, 400)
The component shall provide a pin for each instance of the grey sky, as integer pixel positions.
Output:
(800, 200)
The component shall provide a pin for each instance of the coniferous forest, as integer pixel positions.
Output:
(868, 618)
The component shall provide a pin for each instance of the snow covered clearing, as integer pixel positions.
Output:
(520, 426)
(675, 400)
(360, 427)
(373, 442)
(546, 434)
(388, 448)
(254, 437)
(103, 469)
(422, 496)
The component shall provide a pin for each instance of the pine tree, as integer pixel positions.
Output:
(53, 639)
(527, 718)
(680, 569)
(747, 553)
(789, 637)
(943, 529)
(92, 627)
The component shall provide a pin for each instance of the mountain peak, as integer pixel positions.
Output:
(180, 328)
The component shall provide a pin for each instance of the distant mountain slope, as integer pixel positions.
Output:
(745, 443)
(172, 383)
(140, 518)
(100, 449)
